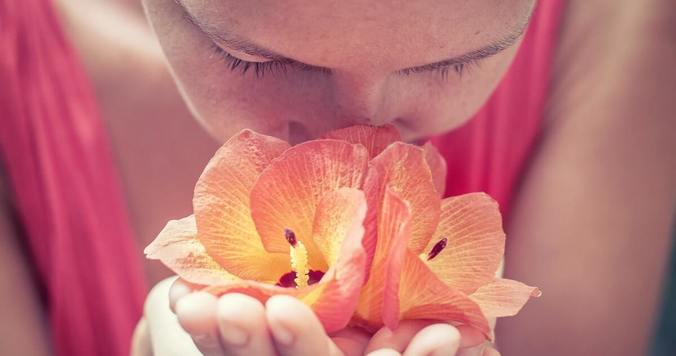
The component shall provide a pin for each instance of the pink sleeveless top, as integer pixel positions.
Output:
(67, 196)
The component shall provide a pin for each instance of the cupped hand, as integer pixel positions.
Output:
(236, 324)
(422, 337)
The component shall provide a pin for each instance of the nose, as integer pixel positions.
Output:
(363, 99)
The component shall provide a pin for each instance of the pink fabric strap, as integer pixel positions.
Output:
(65, 187)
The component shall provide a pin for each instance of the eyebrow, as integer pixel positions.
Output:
(247, 47)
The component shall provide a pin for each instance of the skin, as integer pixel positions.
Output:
(365, 86)
(363, 49)
(591, 220)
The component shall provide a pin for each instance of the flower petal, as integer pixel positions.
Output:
(222, 211)
(438, 167)
(402, 168)
(287, 193)
(374, 138)
(378, 302)
(472, 225)
(503, 297)
(179, 250)
(335, 303)
(423, 296)
(335, 217)
(334, 298)
(259, 290)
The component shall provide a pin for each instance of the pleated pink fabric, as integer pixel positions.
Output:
(65, 187)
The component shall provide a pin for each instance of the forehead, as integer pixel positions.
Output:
(357, 32)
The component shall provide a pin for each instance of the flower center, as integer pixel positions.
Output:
(301, 275)
(288, 280)
(438, 247)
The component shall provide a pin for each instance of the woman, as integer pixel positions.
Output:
(589, 224)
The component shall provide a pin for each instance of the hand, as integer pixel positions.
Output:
(420, 337)
(234, 324)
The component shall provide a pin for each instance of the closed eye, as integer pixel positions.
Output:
(443, 68)
(281, 63)
(276, 66)
(261, 68)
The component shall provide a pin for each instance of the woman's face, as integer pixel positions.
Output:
(298, 68)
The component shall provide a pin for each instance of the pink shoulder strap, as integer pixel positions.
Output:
(65, 188)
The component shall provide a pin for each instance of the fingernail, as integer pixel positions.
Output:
(234, 335)
(282, 335)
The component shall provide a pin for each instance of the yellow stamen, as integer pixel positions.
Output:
(299, 264)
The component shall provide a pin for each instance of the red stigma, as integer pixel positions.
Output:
(290, 237)
(315, 276)
(288, 280)
(438, 247)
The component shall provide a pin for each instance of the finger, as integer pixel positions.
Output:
(435, 340)
(351, 341)
(396, 339)
(243, 327)
(489, 351)
(196, 313)
(180, 288)
(384, 352)
(140, 340)
(479, 350)
(296, 330)
(166, 335)
(470, 336)
(473, 343)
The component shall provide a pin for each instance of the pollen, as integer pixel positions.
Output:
(290, 237)
(299, 262)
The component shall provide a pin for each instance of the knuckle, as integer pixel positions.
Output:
(158, 295)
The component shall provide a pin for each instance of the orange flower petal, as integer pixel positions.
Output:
(221, 205)
(472, 225)
(423, 296)
(334, 298)
(402, 168)
(334, 220)
(179, 250)
(503, 297)
(378, 302)
(341, 285)
(374, 138)
(438, 167)
(287, 193)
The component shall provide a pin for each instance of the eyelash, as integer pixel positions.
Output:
(260, 68)
(443, 69)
